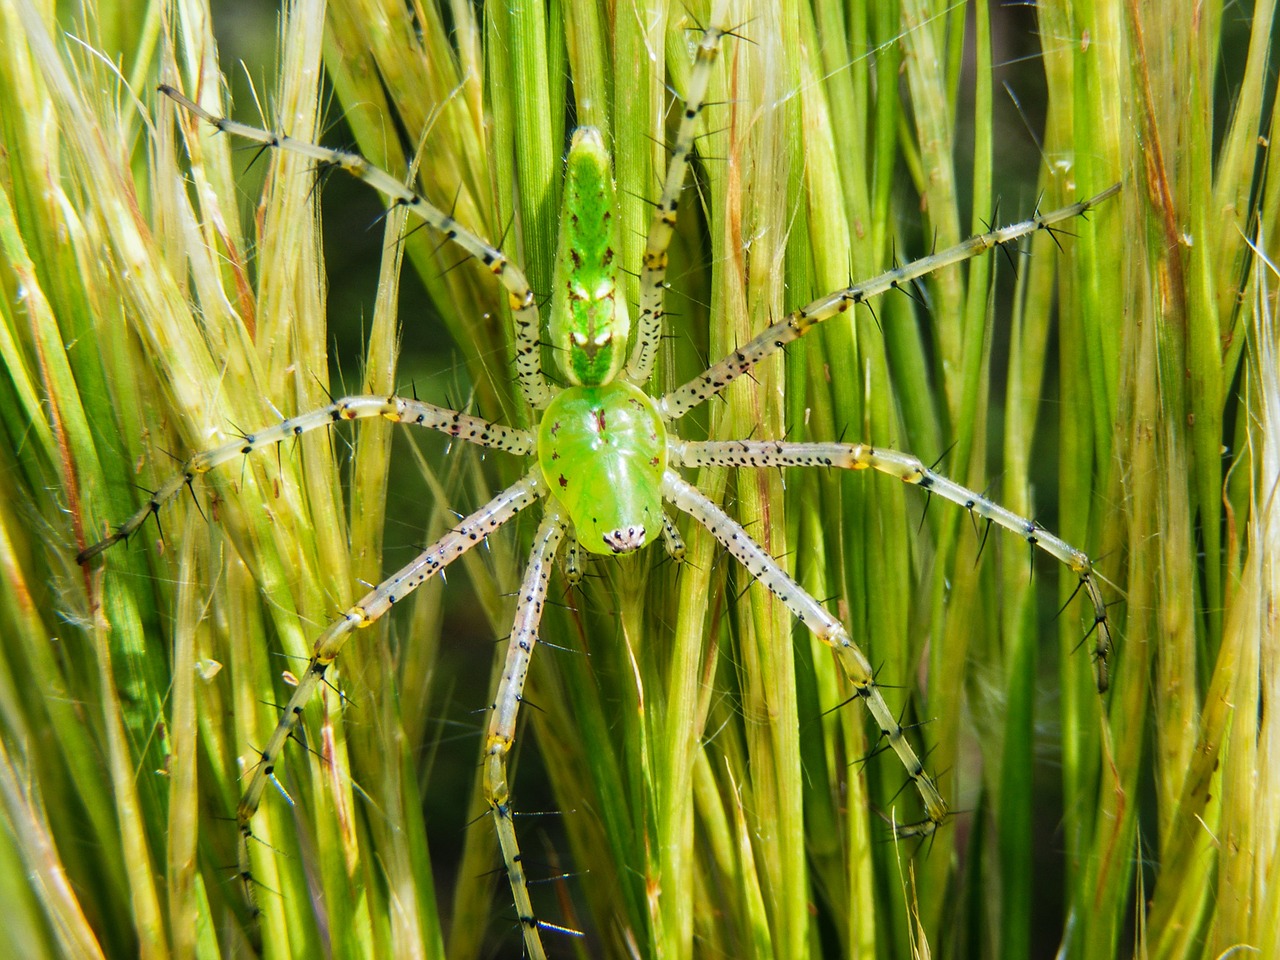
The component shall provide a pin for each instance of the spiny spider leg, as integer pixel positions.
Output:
(396, 409)
(796, 324)
(853, 662)
(469, 532)
(909, 469)
(574, 560)
(506, 707)
(524, 305)
(671, 539)
(653, 275)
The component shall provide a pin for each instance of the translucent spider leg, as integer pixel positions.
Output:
(910, 469)
(506, 707)
(574, 559)
(796, 324)
(396, 409)
(854, 663)
(524, 306)
(671, 540)
(653, 274)
(469, 532)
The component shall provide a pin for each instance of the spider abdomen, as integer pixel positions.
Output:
(603, 451)
(588, 312)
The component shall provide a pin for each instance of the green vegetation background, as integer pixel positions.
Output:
(695, 783)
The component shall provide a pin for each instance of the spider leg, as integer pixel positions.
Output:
(523, 303)
(910, 469)
(506, 707)
(575, 560)
(396, 409)
(671, 540)
(653, 274)
(796, 324)
(853, 662)
(469, 532)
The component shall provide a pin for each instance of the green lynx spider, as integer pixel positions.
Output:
(606, 461)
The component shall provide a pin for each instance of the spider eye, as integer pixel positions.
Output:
(625, 539)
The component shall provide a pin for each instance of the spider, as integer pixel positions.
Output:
(606, 460)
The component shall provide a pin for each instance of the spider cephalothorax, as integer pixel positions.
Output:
(606, 438)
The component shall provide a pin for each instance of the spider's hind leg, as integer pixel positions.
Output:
(799, 322)
(653, 275)
(520, 296)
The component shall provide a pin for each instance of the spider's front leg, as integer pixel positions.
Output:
(469, 532)
(506, 707)
(910, 469)
(853, 662)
